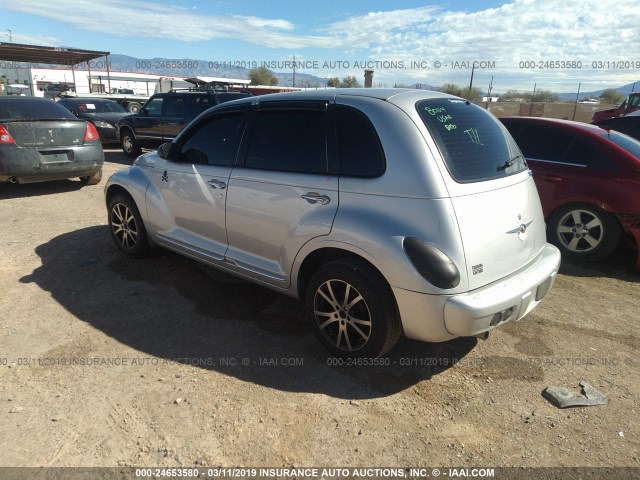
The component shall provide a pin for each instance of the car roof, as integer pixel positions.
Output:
(331, 93)
(570, 124)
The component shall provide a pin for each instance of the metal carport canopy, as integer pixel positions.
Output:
(16, 52)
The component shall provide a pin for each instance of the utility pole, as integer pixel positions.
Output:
(533, 97)
(294, 70)
(576, 104)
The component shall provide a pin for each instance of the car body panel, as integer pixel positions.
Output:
(195, 220)
(268, 221)
(501, 230)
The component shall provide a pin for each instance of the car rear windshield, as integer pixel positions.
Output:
(100, 106)
(28, 109)
(474, 145)
(629, 144)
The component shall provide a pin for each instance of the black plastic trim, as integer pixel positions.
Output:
(431, 263)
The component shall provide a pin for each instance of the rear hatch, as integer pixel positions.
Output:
(495, 199)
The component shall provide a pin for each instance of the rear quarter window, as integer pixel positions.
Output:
(475, 146)
(360, 152)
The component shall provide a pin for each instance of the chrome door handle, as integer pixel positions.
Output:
(313, 197)
(217, 184)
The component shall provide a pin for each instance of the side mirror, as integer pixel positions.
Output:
(144, 112)
(163, 150)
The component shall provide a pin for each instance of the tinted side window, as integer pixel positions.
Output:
(173, 107)
(198, 104)
(289, 140)
(360, 152)
(541, 142)
(214, 141)
(154, 107)
(473, 143)
(582, 153)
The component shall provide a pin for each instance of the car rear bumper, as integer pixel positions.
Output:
(26, 165)
(436, 318)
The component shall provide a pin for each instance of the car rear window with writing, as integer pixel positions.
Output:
(473, 143)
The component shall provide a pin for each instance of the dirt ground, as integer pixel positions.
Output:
(108, 361)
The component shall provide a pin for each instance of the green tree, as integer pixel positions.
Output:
(540, 96)
(262, 76)
(347, 82)
(510, 95)
(350, 81)
(611, 95)
(473, 94)
(451, 89)
(544, 96)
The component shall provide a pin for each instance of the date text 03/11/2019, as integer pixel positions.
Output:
(578, 64)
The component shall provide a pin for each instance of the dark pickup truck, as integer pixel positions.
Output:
(165, 115)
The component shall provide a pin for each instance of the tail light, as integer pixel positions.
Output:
(5, 136)
(91, 134)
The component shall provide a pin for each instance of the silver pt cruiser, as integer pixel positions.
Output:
(386, 212)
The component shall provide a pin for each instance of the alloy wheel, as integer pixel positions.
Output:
(342, 315)
(124, 226)
(580, 231)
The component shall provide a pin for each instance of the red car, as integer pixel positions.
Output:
(588, 179)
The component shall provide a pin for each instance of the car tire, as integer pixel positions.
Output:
(352, 309)
(126, 226)
(134, 107)
(583, 231)
(130, 146)
(94, 179)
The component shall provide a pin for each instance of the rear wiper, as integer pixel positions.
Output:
(508, 163)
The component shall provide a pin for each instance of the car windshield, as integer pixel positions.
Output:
(474, 145)
(100, 106)
(629, 144)
(33, 109)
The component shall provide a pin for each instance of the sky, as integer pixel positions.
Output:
(522, 44)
